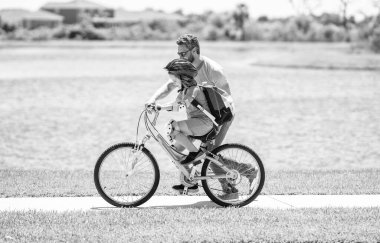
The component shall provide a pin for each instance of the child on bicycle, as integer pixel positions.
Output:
(182, 72)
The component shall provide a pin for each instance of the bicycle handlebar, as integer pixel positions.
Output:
(153, 107)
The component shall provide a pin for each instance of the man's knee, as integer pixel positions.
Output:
(220, 136)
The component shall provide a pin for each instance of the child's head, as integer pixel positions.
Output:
(182, 72)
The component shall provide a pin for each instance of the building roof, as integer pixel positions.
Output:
(13, 16)
(122, 15)
(75, 4)
(43, 15)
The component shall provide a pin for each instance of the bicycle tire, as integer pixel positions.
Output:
(212, 192)
(101, 187)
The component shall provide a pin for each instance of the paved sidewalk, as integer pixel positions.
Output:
(61, 204)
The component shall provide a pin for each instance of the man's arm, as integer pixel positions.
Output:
(221, 81)
(162, 92)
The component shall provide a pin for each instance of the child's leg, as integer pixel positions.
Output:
(181, 132)
(178, 146)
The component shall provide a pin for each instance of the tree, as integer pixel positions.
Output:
(179, 12)
(263, 18)
(376, 22)
(240, 16)
(374, 37)
(308, 7)
(345, 5)
(344, 8)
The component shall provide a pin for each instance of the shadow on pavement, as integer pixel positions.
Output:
(202, 204)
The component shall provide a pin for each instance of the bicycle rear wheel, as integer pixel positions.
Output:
(126, 177)
(248, 169)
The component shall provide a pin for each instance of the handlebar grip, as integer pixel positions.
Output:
(154, 107)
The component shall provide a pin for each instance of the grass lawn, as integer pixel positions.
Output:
(311, 112)
(194, 225)
(35, 183)
(62, 105)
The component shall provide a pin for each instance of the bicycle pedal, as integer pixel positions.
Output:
(185, 191)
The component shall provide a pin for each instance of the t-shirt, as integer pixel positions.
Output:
(192, 111)
(211, 72)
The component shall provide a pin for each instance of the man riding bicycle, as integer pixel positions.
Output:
(211, 73)
(182, 72)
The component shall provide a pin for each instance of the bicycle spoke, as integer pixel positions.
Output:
(139, 164)
(245, 187)
(120, 182)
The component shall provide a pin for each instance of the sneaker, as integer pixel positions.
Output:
(181, 187)
(250, 172)
(228, 188)
(229, 196)
(246, 170)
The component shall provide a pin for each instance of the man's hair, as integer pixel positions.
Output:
(190, 41)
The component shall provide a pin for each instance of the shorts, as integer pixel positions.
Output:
(195, 126)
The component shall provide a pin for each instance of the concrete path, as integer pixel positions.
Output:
(61, 204)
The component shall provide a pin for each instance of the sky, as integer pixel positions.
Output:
(270, 8)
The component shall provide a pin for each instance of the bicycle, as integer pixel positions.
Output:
(127, 174)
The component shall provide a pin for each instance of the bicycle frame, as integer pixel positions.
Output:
(176, 157)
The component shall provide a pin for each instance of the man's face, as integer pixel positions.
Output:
(185, 53)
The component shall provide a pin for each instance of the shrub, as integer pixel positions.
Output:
(375, 40)
(217, 20)
(140, 31)
(299, 28)
(8, 27)
(41, 34)
(2, 34)
(84, 32)
(38, 34)
(120, 33)
(163, 25)
(333, 33)
(275, 31)
(93, 34)
(210, 33)
(253, 31)
(59, 33)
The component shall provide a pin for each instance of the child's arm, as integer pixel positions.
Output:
(170, 106)
(190, 96)
(173, 106)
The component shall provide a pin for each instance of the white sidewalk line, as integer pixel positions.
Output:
(61, 204)
(319, 201)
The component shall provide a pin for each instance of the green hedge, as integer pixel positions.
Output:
(375, 40)
(212, 26)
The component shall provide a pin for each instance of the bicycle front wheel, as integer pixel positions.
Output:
(246, 179)
(126, 177)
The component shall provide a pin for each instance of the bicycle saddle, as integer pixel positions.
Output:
(208, 136)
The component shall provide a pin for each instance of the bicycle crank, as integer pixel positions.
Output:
(185, 181)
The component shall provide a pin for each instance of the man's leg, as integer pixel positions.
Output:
(218, 141)
(220, 137)
(245, 169)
